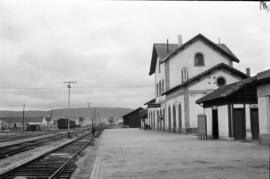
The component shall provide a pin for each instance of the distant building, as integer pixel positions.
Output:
(17, 122)
(240, 110)
(133, 119)
(183, 74)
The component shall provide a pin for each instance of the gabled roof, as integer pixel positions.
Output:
(225, 48)
(210, 70)
(229, 90)
(136, 110)
(160, 50)
(221, 48)
(151, 101)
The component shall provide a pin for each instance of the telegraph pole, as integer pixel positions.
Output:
(69, 86)
(23, 117)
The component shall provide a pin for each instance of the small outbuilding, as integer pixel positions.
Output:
(240, 110)
(133, 119)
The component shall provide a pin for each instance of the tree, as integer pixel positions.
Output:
(48, 120)
(111, 120)
(264, 6)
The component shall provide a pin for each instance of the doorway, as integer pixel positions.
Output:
(239, 124)
(174, 119)
(180, 117)
(215, 132)
(254, 120)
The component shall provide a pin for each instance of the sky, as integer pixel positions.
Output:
(106, 46)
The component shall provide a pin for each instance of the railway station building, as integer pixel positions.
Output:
(185, 72)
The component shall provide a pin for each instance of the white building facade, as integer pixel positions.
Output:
(183, 74)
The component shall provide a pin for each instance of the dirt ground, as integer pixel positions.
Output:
(135, 153)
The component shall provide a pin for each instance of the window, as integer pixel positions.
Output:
(199, 59)
(221, 81)
(157, 90)
(159, 63)
(184, 74)
(160, 91)
(162, 86)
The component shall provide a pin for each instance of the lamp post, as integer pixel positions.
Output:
(69, 86)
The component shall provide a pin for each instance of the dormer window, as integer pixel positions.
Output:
(199, 59)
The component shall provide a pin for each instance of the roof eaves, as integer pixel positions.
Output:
(200, 36)
(210, 70)
(132, 111)
(231, 89)
(150, 101)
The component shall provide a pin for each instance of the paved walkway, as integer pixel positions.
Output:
(135, 153)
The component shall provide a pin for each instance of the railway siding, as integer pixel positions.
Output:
(17, 160)
(53, 159)
(8, 143)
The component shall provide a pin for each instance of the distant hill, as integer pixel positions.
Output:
(102, 113)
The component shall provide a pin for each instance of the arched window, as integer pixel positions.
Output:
(157, 90)
(169, 118)
(162, 84)
(160, 92)
(164, 119)
(180, 117)
(157, 120)
(174, 119)
(199, 59)
(154, 118)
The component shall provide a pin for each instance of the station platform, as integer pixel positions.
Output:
(136, 153)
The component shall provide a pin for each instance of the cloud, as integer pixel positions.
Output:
(103, 44)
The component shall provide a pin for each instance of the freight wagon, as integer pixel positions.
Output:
(63, 123)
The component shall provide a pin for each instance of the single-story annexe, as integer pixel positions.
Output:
(133, 119)
(240, 110)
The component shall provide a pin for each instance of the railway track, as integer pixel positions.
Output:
(6, 138)
(58, 163)
(7, 151)
(16, 137)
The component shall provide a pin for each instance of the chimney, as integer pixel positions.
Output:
(179, 40)
(168, 46)
(248, 71)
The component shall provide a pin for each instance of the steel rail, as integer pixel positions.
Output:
(13, 149)
(58, 171)
(6, 173)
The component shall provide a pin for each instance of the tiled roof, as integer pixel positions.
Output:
(225, 48)
(226, 90)
(221, 48)
(151, 101)
(230, 89)
(210, 70)
(160, 50)
(136, 110)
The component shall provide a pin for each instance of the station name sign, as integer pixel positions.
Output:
(153, 105)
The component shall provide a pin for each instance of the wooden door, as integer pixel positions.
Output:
(239, 124)
(180, 117)
(215, 132)
(254, 120)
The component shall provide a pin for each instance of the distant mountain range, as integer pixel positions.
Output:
(101, 114)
